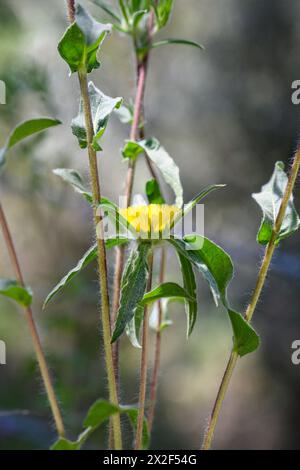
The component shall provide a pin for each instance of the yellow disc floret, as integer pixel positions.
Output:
(152, 219)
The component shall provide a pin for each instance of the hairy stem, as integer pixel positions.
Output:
(71, 10)
(102, 266)
(101, 257)
(144, 365)
(255, 298)
(33, 329)
(157, 353)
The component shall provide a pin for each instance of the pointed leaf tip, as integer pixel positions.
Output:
(246, 340)
(102, 106)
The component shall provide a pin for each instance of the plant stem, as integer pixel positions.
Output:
(157, 354)
(101, 257)
(144, 365)
(33, 329)
(255, 298)
(71, 10)
(102, 266)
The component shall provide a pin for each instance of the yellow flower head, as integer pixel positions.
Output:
(152, 219)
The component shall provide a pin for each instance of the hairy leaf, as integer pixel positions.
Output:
(65, 444)
(190, 286)
(132, 413)
(246, 340)
(80, 44)
(97, 414)
(133, 328)
(13, 290)
(26, 129)
(72, 47)
(211, 260)
(102, 107)
(164, 163)
(87, 258)
(74, 178)
(133, 287)
(270, 199)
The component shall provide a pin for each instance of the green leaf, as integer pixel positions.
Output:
(134, 282)
(74, 178)
(184, 42)
(72, 47)
(168, 289)
(26, 129)
(102, 410)
(132, 413)
(269, 199)
(190, 286)
(80, 44)
(211, 260)
(105, 7)
(153, 192)
(87, 258)
(65, 444)
(131, 150)
(13, 290)
(163, 9)
(164, 163)
(99, 412)
(102, 107)
(246, 340)
(133, 328)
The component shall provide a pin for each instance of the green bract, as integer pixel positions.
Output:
(80, 44)
(102, 107)
(270, 199)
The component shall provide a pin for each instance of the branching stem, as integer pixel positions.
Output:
(255, 298)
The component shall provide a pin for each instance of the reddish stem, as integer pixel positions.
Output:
(157, 354)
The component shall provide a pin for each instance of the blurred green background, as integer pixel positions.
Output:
(226, 116)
